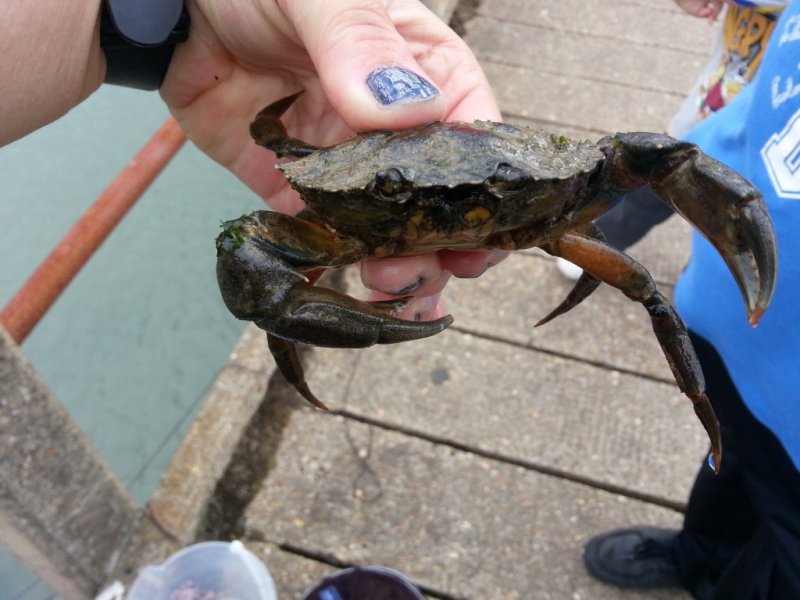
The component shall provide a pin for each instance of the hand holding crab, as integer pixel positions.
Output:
(482, 185)
(346, 55)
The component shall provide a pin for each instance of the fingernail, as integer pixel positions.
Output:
(408, 289)
(396, 84)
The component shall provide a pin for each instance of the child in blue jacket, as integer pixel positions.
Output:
(741, 533)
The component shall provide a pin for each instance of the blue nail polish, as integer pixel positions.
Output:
(410, 288)
(396, 84)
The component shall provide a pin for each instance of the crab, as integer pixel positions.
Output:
(471, 186)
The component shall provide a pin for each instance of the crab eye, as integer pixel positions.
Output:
(389, 182)
(507, 178)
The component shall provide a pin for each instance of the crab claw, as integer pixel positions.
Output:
(267, 264)
(728, 211)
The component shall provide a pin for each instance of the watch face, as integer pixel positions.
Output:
(148, 22)
(138, 39)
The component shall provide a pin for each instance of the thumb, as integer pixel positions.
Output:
(366, 68)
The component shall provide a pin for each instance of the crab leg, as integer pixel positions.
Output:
(586, 284)
(287, 357)
(721, 204)
(622, 272)
(268, 131)
(261, 259)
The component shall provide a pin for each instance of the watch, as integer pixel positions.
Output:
(139, 37)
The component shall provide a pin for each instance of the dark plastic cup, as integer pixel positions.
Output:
(364, 583)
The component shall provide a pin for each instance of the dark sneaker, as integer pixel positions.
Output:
(641, 557)
(364, 583)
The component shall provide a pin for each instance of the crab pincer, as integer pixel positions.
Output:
(719, 203)
(262, 261)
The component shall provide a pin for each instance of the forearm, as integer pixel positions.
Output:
(51, 60)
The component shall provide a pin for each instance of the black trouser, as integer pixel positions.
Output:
(741, 533)
(635, 214)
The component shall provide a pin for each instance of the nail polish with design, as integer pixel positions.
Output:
(409, 288)
(396, 84)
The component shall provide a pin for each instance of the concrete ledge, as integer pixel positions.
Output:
(62, 510)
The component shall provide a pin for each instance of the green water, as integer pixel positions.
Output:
(133, 344)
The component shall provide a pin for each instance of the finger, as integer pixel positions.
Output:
(366, 68)
(405, 276)
(426, 308)
(448, 60)
(470, 264)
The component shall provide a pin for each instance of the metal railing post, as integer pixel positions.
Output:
(33, 299)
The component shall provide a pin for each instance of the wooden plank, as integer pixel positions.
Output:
(620, 21)
(560, 100)
(587, 422)
(586, 58)
(460, 525)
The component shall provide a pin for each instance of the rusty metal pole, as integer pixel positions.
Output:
(38, 294)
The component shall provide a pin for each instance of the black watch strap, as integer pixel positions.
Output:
(139, 37)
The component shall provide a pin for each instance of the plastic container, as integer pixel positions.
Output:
(364, 583)
(206, 571)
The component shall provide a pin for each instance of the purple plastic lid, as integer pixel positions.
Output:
(364, 583)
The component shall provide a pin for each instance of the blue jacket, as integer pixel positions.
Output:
(758, 134)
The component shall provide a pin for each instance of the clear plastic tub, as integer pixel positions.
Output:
(206, 571)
